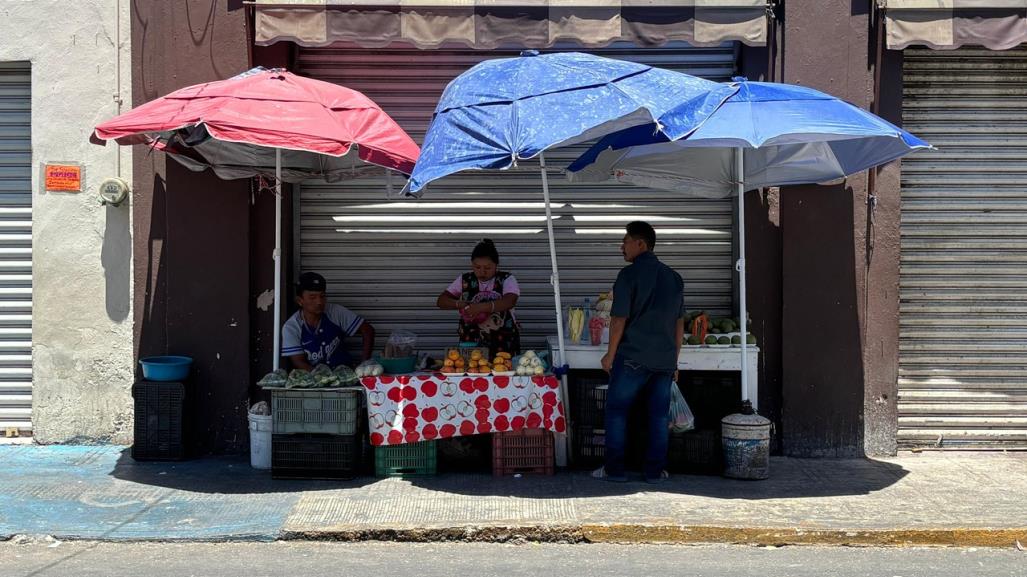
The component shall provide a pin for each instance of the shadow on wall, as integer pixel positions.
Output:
(116, 258)
(823, 382)
(153, 330)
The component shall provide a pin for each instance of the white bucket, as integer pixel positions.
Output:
(260, 441)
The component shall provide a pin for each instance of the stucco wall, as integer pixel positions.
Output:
(82, 251)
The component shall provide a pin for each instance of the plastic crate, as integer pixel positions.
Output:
(316, 456)
(589, 447)
(315, 411)
(408, 460)
(160, 421)
(697, 452)
(528, 451)
(712, 395)
(588, 400)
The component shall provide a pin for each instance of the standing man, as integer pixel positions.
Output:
(646, 328)
(316, 333)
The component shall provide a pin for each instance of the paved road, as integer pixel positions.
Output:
(42, 558)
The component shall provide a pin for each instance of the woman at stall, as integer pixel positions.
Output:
(485, 297)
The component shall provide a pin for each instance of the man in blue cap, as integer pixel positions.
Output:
(316, 333)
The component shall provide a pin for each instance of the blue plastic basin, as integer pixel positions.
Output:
(166, 368)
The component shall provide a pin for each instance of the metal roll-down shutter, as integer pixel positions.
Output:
(15, 247)
(963, 284)
(390, 260)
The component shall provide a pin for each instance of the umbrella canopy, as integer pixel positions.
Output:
(788, 134)
(509, 109)
(766, 134)
(268, 123)
(235, 126)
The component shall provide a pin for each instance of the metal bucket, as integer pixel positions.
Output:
(745, 438)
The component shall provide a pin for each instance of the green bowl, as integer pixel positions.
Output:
(398, 366)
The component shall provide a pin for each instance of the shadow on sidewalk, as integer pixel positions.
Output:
(789, 478)
(226, 475)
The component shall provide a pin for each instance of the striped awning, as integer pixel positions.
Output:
(491, 24)
(948, 24)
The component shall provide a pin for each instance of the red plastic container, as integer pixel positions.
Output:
(528, 451)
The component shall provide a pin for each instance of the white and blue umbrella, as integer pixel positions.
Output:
(765, 134)
(512, 109)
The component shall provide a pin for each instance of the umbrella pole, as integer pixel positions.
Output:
(555, 279)
(277, 255)
(740, 267)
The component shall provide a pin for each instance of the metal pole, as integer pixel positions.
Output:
(555, 279)
(277, 256)
(740, 267)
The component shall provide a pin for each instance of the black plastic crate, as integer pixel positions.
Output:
(588, 398)
(316, 456)
(589, 447)
(712, 395)
(696, 452)
(159, 432)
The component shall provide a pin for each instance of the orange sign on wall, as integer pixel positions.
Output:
(63, 177)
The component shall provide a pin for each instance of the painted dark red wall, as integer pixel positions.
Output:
(191, 230)
(827, 312)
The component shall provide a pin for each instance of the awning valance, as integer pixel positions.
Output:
(948, 24)
(510, 23)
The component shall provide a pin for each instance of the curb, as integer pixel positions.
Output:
(674, 535)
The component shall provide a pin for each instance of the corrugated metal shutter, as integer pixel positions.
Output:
(963, 341)
(15, 247)
(390, 260)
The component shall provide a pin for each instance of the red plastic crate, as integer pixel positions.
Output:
(528, 451)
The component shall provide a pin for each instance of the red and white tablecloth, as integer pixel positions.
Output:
(422, 407)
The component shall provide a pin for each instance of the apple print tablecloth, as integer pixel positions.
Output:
(422, 407)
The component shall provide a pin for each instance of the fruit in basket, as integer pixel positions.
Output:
(736, 340)
(453, 355)
(727, 326)
(750, 339)
(711, 340)
(723, 340)
(694, 340)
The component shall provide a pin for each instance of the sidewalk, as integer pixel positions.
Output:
(100, 493)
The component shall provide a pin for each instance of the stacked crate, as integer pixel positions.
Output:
(528, 451)
(696, 452)
(316, 434)
(406, 460)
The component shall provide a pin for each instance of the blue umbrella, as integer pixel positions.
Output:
(510, 109)
(506, 110)
(765, 134)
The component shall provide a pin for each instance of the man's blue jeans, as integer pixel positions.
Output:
(628, 380)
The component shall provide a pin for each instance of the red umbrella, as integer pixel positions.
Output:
(268, 122)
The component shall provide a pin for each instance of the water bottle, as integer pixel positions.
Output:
(587, 305)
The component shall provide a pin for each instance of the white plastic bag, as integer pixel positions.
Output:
(681, 418)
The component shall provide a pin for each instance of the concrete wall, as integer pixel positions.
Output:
(192, 229)
(82, 251)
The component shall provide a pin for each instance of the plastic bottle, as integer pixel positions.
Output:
(587, 305)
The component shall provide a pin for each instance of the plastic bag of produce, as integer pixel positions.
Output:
(324, 377)
(300, 379)
(400, 344)
(369, 368)
(681, 417)
(274, 379)
(345, 375)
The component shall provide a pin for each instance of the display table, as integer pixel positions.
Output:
(692, 358)
(426, 406)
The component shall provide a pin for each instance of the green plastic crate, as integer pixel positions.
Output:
(409, 460)
(315, 411)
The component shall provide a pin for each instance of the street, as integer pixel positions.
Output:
(45, 557)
